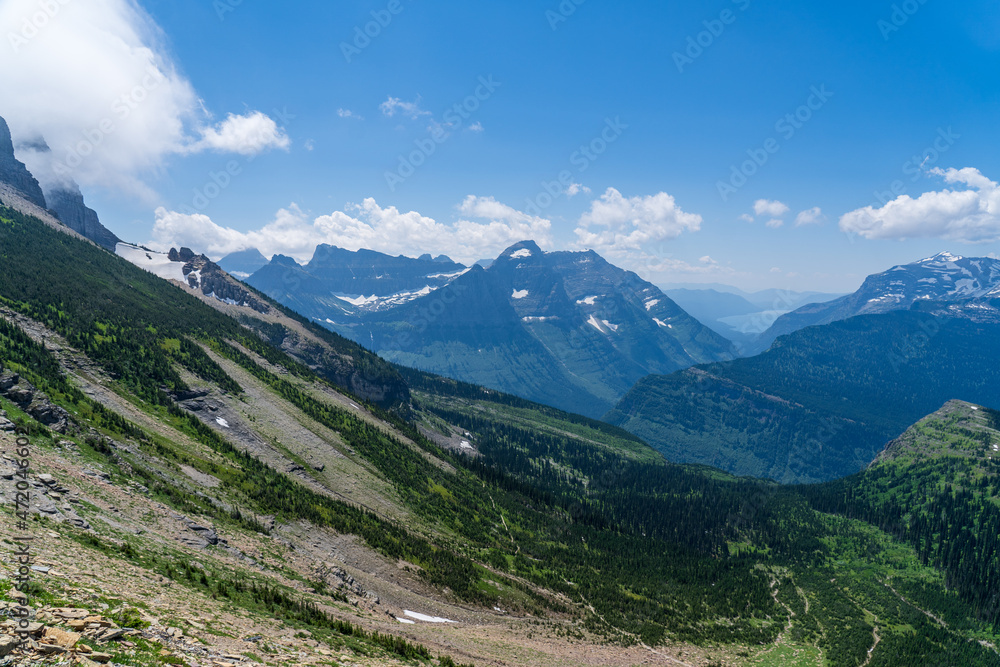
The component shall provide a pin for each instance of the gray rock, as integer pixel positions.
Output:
(69, 206)
(14, 173)
(205, 533)
(21, 395)
(7, 380)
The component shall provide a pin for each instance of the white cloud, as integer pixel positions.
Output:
(970, 215)
(616, 223)
(775, 224)
(309, 145)
(576, 188)
(410, 110)
(812, 216)
(477, 127)
(746, 217)
(96, 81)
(488, 227)
(247, 135)
(771, 209)
(347, 113)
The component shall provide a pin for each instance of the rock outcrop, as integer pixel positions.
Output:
(14, 173)
(68, 204)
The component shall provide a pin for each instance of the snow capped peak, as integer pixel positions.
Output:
(941, 257)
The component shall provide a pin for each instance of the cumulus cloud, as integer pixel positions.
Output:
(477, 127)
(970, 214)
(113, 110)
(616, 223)
(775, 224)
(771, 209)
(247, 135)
(411, 110)
(485, 230)
(576, 188)
(812, 216)
(347, 113)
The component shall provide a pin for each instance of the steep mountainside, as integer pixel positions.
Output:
(937, 487)
(822, 401)
(942, 278)
(566, 329)
(330, 356)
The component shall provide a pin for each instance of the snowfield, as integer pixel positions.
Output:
(157, 263)
(427, 619)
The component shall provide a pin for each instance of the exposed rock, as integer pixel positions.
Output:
(68, 204)
(14, 173)
(182, 255)
(8, 379)
(21, 394)
(207, 534)
(50, 415)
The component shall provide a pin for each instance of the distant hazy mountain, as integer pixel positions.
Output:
(566, 329)
(338, 282)
(243, 263)
(740, 316)
(942, 278)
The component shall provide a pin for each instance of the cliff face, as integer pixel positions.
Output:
(14, 173)
(69, 206)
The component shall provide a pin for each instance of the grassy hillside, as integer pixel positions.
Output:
(822, 402)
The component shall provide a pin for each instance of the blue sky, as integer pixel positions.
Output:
(887, 82)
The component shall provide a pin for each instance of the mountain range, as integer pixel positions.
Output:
(852, 373)
(942, 278)
(566, 329)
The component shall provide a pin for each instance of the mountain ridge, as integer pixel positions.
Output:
(941, 278)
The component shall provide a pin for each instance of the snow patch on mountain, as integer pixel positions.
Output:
(157, 263)
(425, 618)
(519, 294)
(652, 304)
(371, 303)
(589, 301)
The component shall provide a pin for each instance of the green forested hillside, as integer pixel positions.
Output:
(937, 488)
(822, 402)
